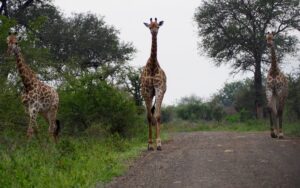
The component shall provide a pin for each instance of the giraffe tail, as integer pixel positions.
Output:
(152, 112)
(153, 108)
(57, 128)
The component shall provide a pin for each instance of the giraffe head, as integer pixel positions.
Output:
(12, 43)
(270, 38)
(154, 25)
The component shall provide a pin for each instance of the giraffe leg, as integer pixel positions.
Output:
(53, 125)
(158, 98)
(273, 134)
(273, 115)
(150, 122)
(32, 127)
(280, 133)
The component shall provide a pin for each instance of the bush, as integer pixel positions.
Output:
(88, 101)
(12, 113)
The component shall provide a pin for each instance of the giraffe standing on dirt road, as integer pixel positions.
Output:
(276, 91)
(153, 84)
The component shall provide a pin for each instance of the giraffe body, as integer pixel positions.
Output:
(276, 92)
(37, 97)
(153, 85)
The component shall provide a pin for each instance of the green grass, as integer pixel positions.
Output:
(73, 162)
(292, 129)
(90, 160)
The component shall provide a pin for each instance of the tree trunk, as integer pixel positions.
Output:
(258, 90)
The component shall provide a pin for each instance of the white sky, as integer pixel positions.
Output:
(187, 72)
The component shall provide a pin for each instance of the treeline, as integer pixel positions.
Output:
(233, 103)
(82, 56)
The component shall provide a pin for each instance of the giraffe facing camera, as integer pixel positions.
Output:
(276, 91)
(153, 85)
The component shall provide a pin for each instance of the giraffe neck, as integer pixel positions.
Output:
(274, 70)
(154, 47)
(27, 75)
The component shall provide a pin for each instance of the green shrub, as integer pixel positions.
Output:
(88, 101)
(234, 118)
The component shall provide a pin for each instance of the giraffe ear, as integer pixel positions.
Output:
(161, 23)
(146, 24)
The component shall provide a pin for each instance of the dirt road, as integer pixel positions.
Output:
(217, 159)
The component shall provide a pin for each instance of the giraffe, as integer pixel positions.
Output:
(153, 84)
(37, 97)
(276, 91)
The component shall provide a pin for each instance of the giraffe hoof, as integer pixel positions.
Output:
(158, 148)
(273, 135)
(150, 148)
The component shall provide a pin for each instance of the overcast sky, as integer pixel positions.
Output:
(187, 71)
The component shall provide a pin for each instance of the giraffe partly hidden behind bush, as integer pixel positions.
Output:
(37, 97)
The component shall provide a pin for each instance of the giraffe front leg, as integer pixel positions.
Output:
(158, 98)
(272, 112)
(54, 126)
(150, 122)
(32, 127)
(280, 133)
(273, 134)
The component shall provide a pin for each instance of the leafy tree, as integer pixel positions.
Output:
(129, 80)
(233, 32)
(228, 93)
(193, 108)
(85, 43)
(293, 100)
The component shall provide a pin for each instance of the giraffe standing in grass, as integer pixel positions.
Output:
(37, 97)
(153, 84)
(276, 91)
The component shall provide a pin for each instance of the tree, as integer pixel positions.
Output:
(86, 43)
(233, 32)
(129, 80)
(83, 42)
(227, 94)
(293, 100)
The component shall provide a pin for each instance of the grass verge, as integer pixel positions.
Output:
(73, 162)
(291, 129)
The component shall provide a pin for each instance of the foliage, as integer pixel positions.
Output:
(129, 80)
(168, 114)
(233, 32)
(73, 162)
(293, 101)
(11, 112)
(252, 125)
(227, 94)
(192, 108)
(88, 100)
